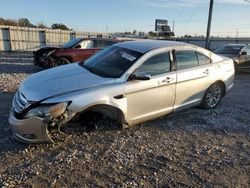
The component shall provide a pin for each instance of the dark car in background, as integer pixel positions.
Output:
(240, 53)
(78, 49)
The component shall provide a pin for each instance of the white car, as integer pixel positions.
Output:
(129, 82)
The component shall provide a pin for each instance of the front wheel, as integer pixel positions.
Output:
(62, 61)
(212, 96)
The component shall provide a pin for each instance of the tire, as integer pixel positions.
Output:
(212, 96)
(62, 61)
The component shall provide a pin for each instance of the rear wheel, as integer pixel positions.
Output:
(213, 96)
(62, 61)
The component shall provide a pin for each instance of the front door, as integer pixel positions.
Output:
(152, 98)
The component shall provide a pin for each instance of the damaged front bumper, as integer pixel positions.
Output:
(36, 129)
(31, 130)
(44, 62)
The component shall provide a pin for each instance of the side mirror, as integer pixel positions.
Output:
(78, 46)
(140, 76)
(243, 53)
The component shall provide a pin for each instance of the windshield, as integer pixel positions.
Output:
(111, 62)
(71, 43)
(228, 50)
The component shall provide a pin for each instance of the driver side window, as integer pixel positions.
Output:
(87, 44)
(156, 65)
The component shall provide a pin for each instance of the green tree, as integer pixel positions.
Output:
(59, 26)
(141, 33)
(127, 33)
(10, 22)
(1, 21)
(41, 25)
(152, 34)
(24, 22)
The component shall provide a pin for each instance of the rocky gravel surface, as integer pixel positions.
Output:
(14, 69)
(193, 148)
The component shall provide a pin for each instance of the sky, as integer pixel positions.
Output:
(230, 17)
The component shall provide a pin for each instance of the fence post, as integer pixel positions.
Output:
(237, 40)
(72, 35)
(6, 39)
(42, 38)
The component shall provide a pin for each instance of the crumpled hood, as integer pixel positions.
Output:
(60, 80)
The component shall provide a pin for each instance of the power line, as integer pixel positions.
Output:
(189, 19)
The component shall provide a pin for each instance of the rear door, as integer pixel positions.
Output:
(154, 97)
(194, 76)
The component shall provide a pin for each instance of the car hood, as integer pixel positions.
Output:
(49, 47)
(46, 49)
(60, 80)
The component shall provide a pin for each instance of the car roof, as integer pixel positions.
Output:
(99, 38)
(144, 46)
(241, 45)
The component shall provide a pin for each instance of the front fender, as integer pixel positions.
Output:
(85, 99)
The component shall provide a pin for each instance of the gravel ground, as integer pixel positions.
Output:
(193, 148)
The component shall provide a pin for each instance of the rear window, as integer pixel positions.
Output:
(203, 60)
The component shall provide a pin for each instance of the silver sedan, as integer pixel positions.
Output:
(129, 82)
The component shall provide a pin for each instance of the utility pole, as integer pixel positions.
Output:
(173, 27)
(209, 24)
(237, 36)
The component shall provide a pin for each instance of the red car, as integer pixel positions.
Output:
(78, 49)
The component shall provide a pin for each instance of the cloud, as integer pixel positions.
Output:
(188, 3)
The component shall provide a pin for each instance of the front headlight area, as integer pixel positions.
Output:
(47, 110)
(55, 116)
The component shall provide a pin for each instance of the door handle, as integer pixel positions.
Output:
(206, 71)
(167, 80)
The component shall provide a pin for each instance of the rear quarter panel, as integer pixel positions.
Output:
(224, 69)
